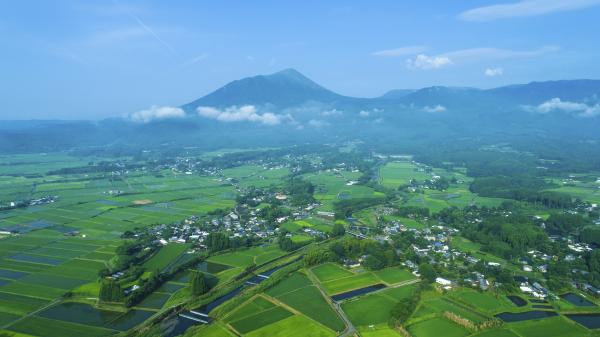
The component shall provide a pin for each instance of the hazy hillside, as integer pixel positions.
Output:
(287, 107)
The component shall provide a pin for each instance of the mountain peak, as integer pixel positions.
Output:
(283, 89)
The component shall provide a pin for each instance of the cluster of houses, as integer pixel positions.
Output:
(532, 288)
(48, 199)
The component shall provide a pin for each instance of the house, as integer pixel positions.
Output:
(443, 281)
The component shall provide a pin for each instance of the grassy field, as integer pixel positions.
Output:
(550, 327)
(496, 333)
(165, 256)
(294, 326)
(298, 292)
(434, 326)
(380, 330)
(246, 257)
(260, 319)
(375, 308)
(394, 275)
(332, 186)
(41, 263)
(337, 279)
(395, 174)
(483, 301)
(330, 271)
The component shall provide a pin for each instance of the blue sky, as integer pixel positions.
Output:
(96, 59)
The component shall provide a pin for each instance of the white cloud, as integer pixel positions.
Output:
(364, 113)
(332, 112)
(402, 51)
(246, 113)
(524, 9)
(487, 53)
(157, 112)
(492, 72)
(556, 104)
(317, 123)
(425, 62)
(437, 108)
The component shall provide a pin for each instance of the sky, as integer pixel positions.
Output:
(91, 59)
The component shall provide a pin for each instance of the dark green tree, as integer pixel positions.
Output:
(338, 230)
(198, 284)
(427, 272)
(110, 291)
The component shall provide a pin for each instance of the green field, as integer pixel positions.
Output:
(395, 174)
(332, 186)
(330, 271)
(375, 308)
(246, 257)
(295, 326)
(434, 326)
(165, 256)
(394, 275)
(549, 327)
(299, 293)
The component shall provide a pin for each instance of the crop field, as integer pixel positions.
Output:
(441, 305)
(260, 319)
(433, 326)
(298, 292)
(165, 256)
(483, 301)
(380, 330)
(246, 257)
(332, 186)
(496, 333)
(257, 176)
(355, 281)
(394, 275)
(42, 263)
(337, 279)
(294, 326)
(550, 327)
(330, 271)
(373, 309)
(395, 174)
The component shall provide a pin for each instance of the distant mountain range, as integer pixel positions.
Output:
(289, 87)
(289, 107)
